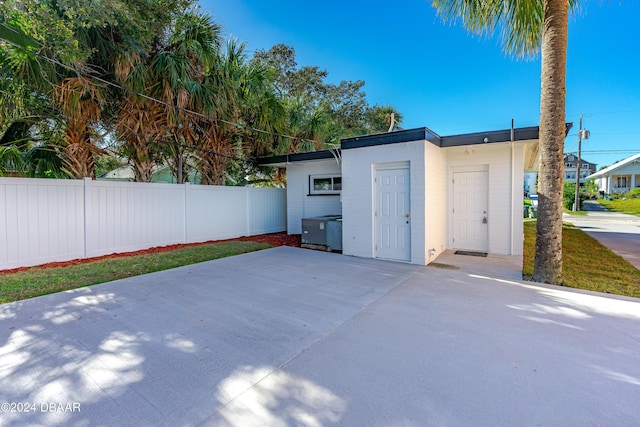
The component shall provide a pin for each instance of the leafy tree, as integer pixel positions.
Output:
(246, 116)
(62, 52)
(381, 118)
(569, 195)
(333, 111)
(173, 70)
(526, 28)
(590, 188)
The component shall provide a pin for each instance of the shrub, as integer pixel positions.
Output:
(569, 195)
(633, 194)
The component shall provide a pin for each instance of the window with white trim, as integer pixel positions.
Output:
(325, 184)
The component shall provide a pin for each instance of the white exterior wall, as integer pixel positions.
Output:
(358, 166)
(45, 220)
(302, 205)
(435, 201)
(504, 192)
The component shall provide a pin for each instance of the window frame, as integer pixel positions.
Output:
(332, 191)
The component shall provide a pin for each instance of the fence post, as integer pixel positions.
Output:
(85, 213)
(186, 211)
(249, 209)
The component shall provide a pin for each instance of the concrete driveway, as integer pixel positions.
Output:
(617, 231)
(290, 336)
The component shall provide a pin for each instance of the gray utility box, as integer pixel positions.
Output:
(334, 234)
(323, 231)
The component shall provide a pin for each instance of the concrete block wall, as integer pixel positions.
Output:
(502, 187)
(358, 196)
(302, 205)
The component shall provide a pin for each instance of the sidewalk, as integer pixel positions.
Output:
(617, 231)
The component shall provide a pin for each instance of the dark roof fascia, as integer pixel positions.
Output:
(504, 135)
(424, 133)
(409, 135)
(297, 157)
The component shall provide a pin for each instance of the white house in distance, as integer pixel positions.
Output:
(410, 195)
(619, 177)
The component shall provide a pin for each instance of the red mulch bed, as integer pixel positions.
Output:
(274, 239)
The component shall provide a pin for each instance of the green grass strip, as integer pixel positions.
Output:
(628, 206)
(586, 263)
(36, 281)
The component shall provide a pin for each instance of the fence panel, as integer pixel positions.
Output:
(44, 220)
(267, 210)
(128, 216)
(41, 220)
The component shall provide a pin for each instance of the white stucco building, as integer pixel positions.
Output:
(410, 195)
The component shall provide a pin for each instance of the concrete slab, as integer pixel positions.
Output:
(289, 336)
(504, 266)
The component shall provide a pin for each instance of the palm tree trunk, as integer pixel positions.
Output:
(548, 258)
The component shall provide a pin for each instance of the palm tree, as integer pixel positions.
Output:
(526, 27)
(243, 100)
(79, 99)
(174, 73)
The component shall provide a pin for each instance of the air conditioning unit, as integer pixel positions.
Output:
(323, 232)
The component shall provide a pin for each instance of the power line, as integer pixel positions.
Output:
(167, 104)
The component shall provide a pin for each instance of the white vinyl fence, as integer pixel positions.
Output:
(45, 220)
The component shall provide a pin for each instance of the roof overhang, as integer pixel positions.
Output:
(611, 169)
(528, 135)
(283, 160)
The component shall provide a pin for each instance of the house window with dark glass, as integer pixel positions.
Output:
(325, 184)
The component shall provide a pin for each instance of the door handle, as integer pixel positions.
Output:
(484, 220)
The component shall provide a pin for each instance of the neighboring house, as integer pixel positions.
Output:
(571, 168)
(161, 173)
(410, 195)
(530, 180)
(619, 177)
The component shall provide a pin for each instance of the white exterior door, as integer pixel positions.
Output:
(470, 220)
(392, 220)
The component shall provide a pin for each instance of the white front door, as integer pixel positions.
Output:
(470, 219)
(392, 214)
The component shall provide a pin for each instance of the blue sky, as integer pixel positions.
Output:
(437, 75)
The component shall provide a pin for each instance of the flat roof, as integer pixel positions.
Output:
(410, 135)
(283, 159)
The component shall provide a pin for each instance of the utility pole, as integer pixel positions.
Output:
(582, 134)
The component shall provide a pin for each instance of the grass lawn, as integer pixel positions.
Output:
(629, 206)
(587, 264)
(36, 281)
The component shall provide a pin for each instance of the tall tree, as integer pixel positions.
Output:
(526, 27)
(343, 107)
(80, 40)
(172, 70)
(243, 119)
